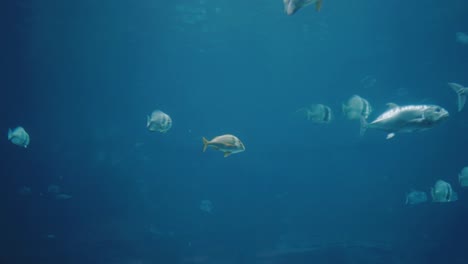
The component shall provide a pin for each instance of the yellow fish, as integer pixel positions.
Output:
(228, 144)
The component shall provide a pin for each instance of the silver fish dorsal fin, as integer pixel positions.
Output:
(392, 105)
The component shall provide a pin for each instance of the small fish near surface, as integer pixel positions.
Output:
(19, 136)
(228, 144)
(292, 6)
(461, 94)
(406, 119)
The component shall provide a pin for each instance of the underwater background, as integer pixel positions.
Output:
(81, 77)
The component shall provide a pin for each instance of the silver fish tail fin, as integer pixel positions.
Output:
(205, 143)
(10, 134)
(461, 94)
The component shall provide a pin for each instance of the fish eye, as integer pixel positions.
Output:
(437, 110)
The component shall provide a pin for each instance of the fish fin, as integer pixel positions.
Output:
(390, 135)
(289, 8)
(364, 126)
(10, 134)
(227, 154)
(318, 5)
(148, 120)
(205, 143)
(461, 94)
(391, 105)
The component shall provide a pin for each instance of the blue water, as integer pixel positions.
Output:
(81, 77)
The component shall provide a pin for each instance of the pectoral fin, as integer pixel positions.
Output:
(391, 135)
(318, 5)
(227, 154)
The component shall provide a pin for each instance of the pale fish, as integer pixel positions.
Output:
(159, 121)
(292, 6)
(318, 113)
(356, 107)
(442, 192)
(415, 197)
(19, 136)
(228, 144)
(410, 118)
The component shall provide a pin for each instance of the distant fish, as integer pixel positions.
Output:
(19, 136)
(63, 196)
(53, 189)
(318, 113)
(461, 94)
(292, 6)
(228, 144)
(411, 118)
(462, 38)
(24, 190)
(442, 192)
(357, 107)
(463, 177)
(415, 197)
(159, 121)
(206, 206)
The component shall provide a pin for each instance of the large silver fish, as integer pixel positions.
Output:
(410, 118)
(291, 6)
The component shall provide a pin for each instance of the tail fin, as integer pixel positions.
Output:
(461, 93)
(205, 144)
(364, 126)
(10, 134)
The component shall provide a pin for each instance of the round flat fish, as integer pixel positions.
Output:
(159, 121)
(356, 107)
(19, 136)
(442, 192)
(318, 113)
